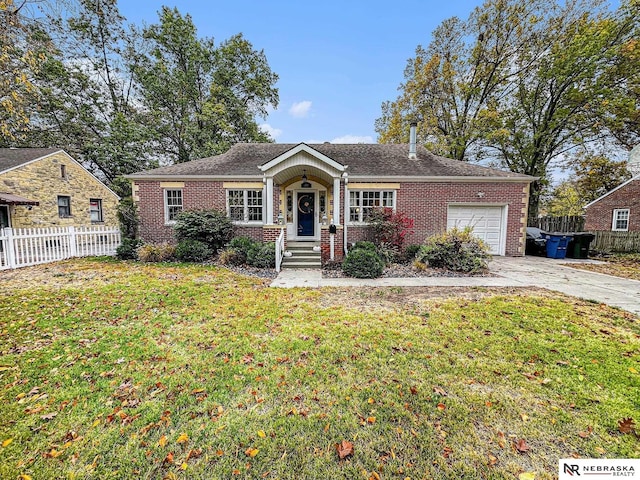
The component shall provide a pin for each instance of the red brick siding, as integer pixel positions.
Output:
(325, 245)
(195, 195)
(427, 204)
(599, 216)
(252, 232)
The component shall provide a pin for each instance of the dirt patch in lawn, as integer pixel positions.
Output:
(402, 298)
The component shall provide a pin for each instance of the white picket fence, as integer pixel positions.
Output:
(22, 247)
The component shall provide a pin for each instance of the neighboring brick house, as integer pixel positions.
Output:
(617, 210)
(46, 187)
(303, 189)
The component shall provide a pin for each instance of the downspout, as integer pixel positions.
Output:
(345, 212)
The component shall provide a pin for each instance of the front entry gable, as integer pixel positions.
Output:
(300, 157)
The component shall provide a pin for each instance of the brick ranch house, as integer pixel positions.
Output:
(310, 191)
(617, 210)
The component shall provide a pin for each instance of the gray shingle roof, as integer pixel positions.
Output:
(376, 160)
(14, 157)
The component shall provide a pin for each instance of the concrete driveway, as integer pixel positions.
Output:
(510, 272)
(553, 275)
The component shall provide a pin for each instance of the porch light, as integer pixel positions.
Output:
(305, 181)
(280, 219)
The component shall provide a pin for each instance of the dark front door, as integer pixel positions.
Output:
(306, 214)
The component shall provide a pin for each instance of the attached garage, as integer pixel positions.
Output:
(488, 222)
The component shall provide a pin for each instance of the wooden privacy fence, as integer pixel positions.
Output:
(568, 223)
(21, 247)
(616, 242)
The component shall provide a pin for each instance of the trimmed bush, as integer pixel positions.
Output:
(156, 252)
(389, 227)
(242, 247)
(231, 256)
(364, 245)
(456, 250)
(128, 249)
(263, 255)
(362, 263)
(410, 252)
(212, 227)
(193, 251)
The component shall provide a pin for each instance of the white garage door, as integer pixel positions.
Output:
(487, 223)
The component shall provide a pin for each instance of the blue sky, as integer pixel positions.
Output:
(337, 60)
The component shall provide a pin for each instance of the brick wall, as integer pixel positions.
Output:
(599, 216)
(42, 181)
(150, 199)
(325, 244)
(427, 204)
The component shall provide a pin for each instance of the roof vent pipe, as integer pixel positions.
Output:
(412, 140)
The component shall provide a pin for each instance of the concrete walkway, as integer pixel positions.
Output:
(510, 272)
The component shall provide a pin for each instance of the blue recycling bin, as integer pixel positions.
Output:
(557, 245)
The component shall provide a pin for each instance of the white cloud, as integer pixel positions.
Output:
(271, 131)
(300, 109)
(353, 139)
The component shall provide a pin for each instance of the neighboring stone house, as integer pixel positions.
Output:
(311, 190)
(617, 210)
(46, 187)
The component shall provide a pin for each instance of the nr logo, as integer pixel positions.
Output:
(572, 469)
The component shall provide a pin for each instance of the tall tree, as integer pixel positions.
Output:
(23, 49)
(88, 103)
(451, 85)
(596, 175)
(202, 98)
(530, 96)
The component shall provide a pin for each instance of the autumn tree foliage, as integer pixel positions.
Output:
(521, 83)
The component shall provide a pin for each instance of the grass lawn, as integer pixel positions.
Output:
(115, 370)
(625, 265)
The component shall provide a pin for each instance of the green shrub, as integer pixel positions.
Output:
(365, 245)
(193, 251)
(242, 247)
(262, 255)
(362, 263)
(212, 227)
(128, 249)
(410, 252)
(156, 252)
(457, 250)
(231, 256)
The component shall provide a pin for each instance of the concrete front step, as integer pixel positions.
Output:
(303, 256)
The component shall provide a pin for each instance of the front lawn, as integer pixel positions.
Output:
(124, 371)
(625, 265)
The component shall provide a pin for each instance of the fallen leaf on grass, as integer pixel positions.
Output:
(24, 476)
(7, 442)
(183, 438)
(261, 434)
(49, 416)
(527, 476)
(521, 446)
(251, 452)
(344, 448)
(441, 407)
(162, 441)
(587, 433)
(440, 391)
(492, 460)
(169, 458)
(626, 425)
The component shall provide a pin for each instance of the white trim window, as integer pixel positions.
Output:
(245, 206)
(620, 220)
(172, 205)
(362, 202)
(95, 210)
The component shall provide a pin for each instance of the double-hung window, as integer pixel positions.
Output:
(172, 204)
(64, 206)
(620, 220)
(245, 206)
(362, 202)
(95, 210)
